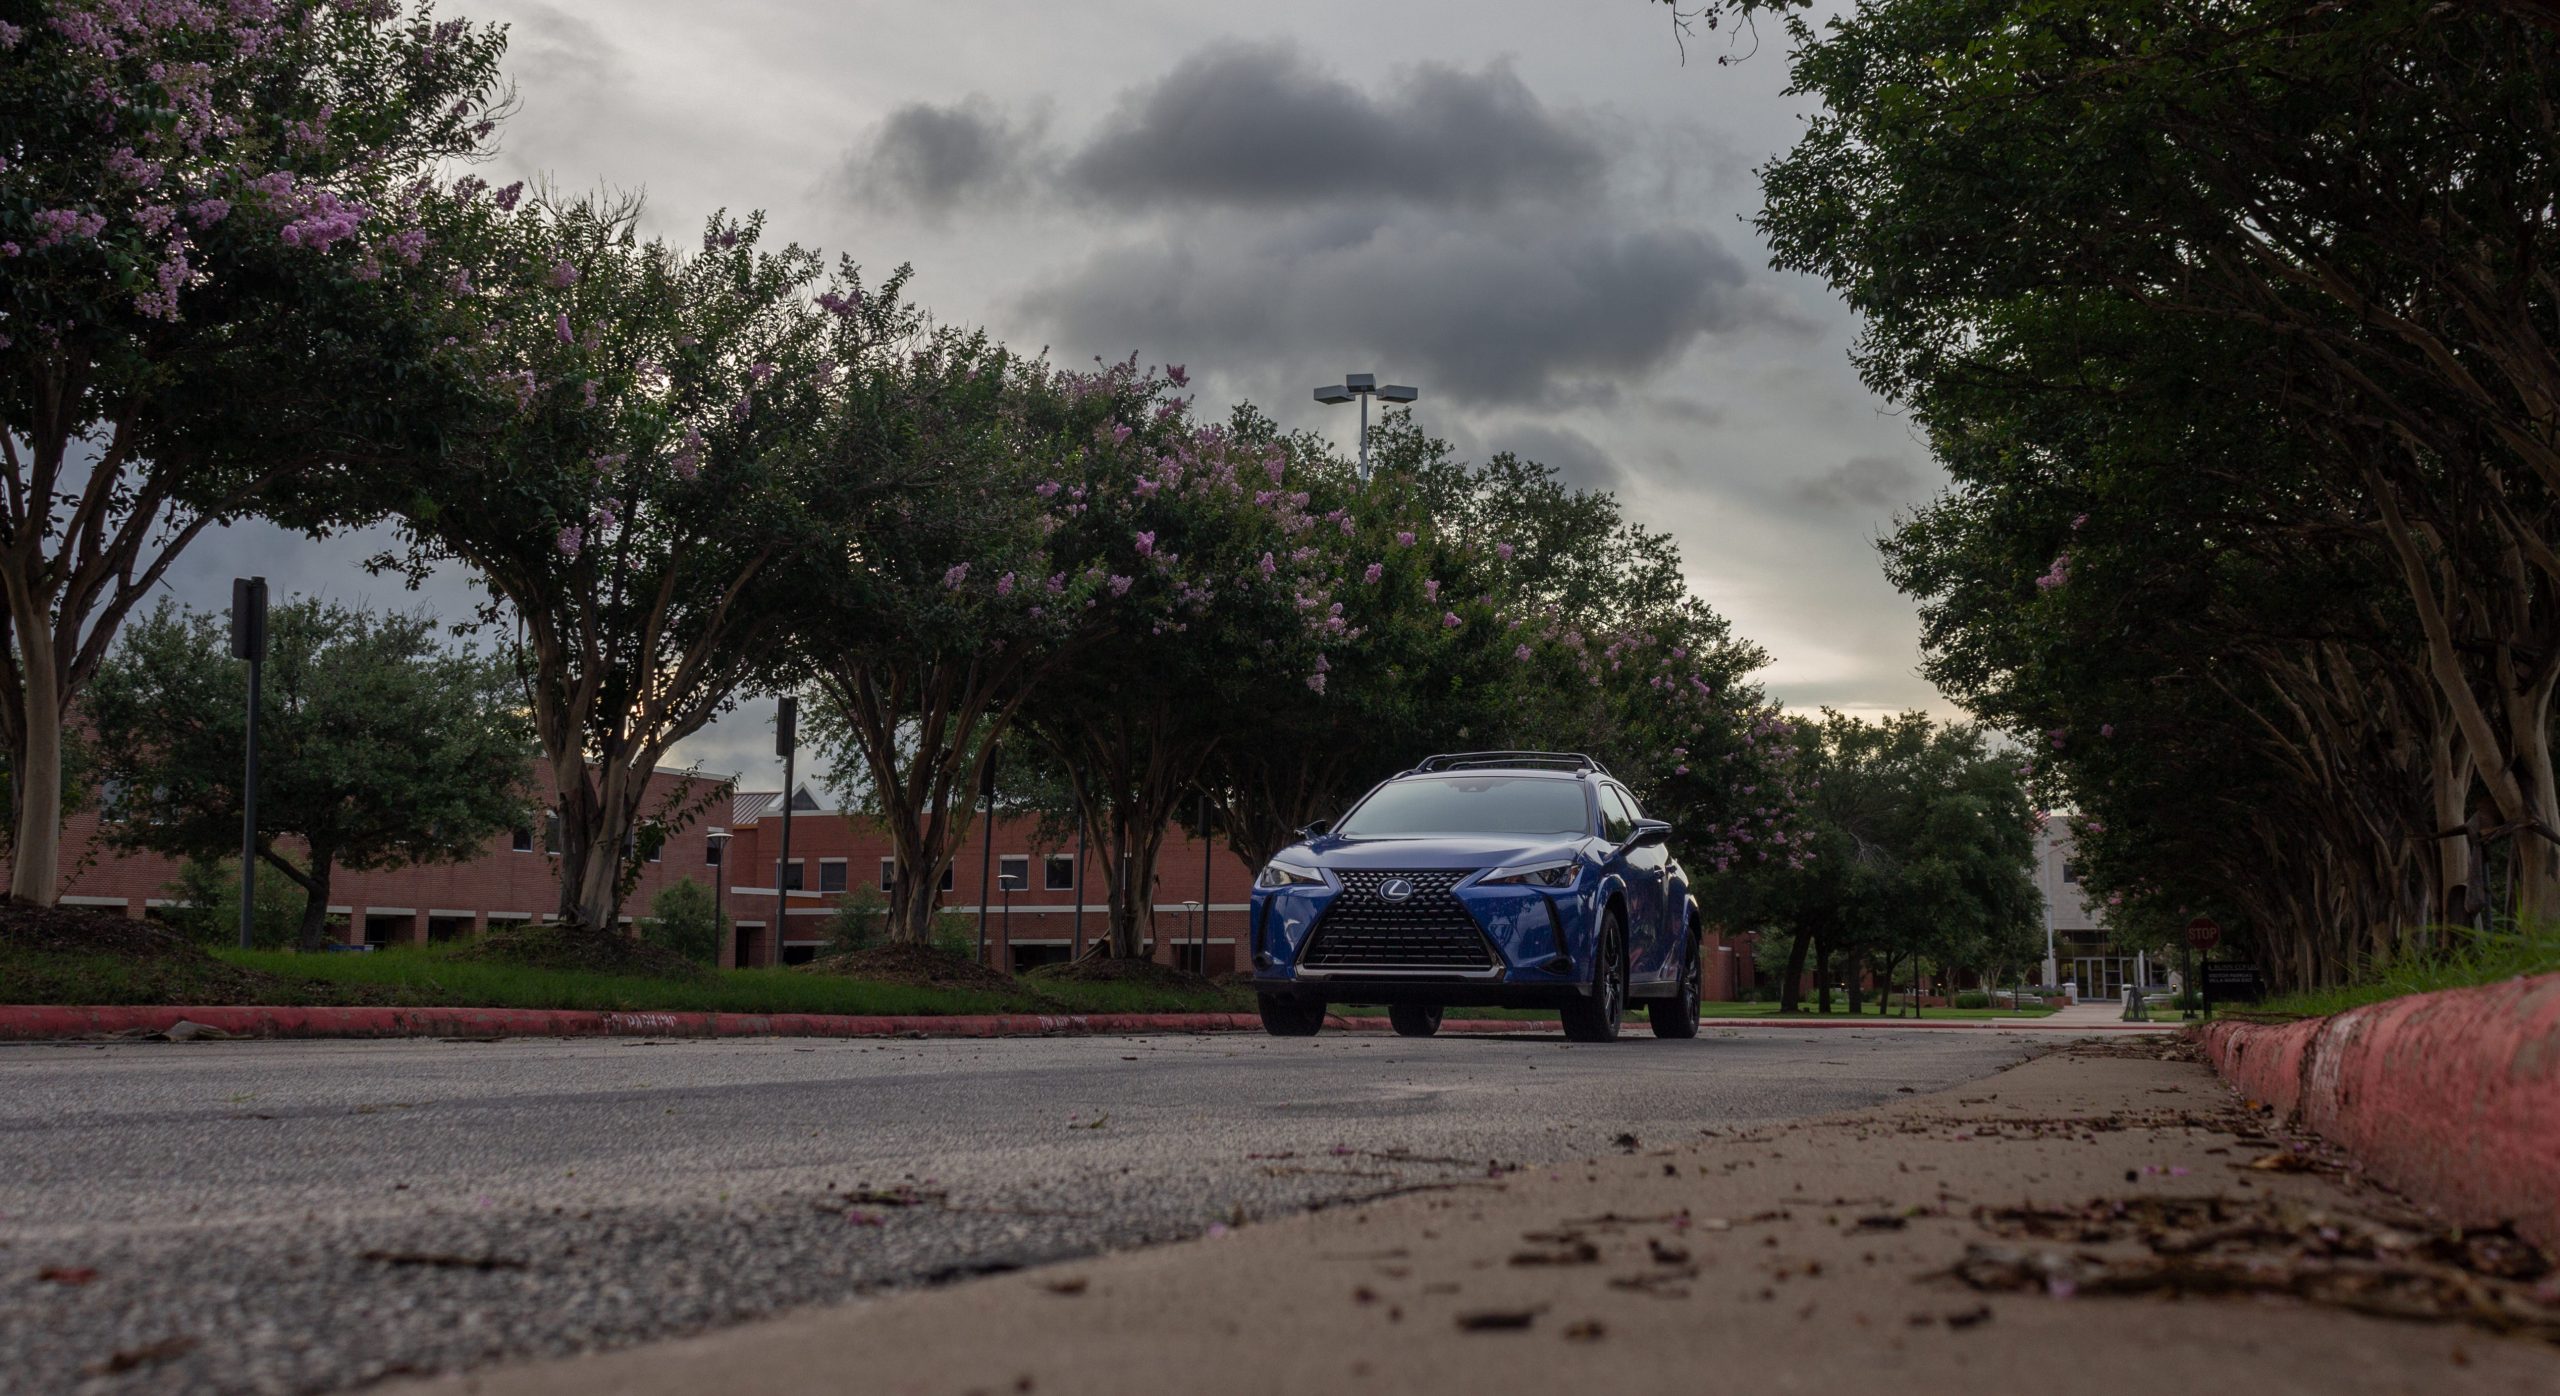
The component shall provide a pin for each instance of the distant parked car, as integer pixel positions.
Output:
(1511, 878)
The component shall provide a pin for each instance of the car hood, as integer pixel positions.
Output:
(1429, 854)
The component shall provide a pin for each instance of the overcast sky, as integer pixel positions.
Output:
(1531, 211)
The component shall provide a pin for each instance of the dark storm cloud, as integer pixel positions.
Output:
(1526, 308)
(1258, 125)
(1575, 459)
(930, 158)
(1864, 482)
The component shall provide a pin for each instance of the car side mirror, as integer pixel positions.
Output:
(1315, 830)
(1650, 831)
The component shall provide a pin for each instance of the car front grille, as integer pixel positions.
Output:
(1432, 930)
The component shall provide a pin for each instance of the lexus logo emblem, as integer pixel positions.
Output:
(1395, 889)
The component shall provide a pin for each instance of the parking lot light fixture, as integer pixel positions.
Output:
(1363, 386)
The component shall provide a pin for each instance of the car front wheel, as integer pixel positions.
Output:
(1595, 1019)
(1288, 1017)
(1413, 1019)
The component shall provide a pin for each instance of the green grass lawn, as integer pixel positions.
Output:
(2468, 958)
(429, 976)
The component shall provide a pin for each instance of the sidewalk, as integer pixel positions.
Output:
(1814, 1257)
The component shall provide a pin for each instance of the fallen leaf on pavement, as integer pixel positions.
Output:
(1074, 1284)
(143, 1356)
(1585, 1330)
(72, 1275)
(1499, 1320)
(437, 1261)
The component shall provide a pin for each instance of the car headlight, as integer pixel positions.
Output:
(1277, 875)
(1555, 872)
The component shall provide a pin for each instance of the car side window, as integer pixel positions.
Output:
(1616, 824)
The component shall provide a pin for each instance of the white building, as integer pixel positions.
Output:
(2078, 948)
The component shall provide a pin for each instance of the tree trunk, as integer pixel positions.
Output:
(315, 902)
(1857, 972)
(1791, 988)
(1822, 977)
(35, 774)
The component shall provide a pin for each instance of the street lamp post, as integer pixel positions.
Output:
(249, 642)
(715, 840)
(786, 744)
(1010, 883)
(1363, 386)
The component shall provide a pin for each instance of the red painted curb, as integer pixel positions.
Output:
(2451, 1097)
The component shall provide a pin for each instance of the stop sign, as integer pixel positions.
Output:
(2204, 933)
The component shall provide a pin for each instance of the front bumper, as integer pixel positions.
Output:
(1341, 944)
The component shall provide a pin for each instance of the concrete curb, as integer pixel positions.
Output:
(2452, 1097)
(45, 1023)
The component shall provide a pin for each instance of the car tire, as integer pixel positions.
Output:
(1678, 1017)
(1414, 1019)
(1596, 1019)
(1288, 1017)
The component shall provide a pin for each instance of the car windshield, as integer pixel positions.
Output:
(1458, 805)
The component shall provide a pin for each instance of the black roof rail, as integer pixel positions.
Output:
(1454, 760)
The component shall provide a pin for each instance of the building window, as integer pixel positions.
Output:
(888, 874)
(1013, 870)
(791, 876)
(711, 851)
(831, 874)
(1058, 874)
(2070, 871)
(524, 839)
(551, 832)
(947, 876)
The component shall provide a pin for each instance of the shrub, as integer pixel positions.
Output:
(859, 922)
(1973, 998)
(684, 919)
(205, 905)
(956, 933)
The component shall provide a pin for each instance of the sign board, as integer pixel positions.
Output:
(2204, 933)
(2232, 982)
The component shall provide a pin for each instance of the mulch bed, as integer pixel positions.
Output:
(1125, 970)
(42, 945)
(918, 966)
(575, 950)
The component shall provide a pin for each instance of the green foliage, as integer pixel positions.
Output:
(684, 918)
(205, 905)
(859, 921)
(379, 747)
(955, 933)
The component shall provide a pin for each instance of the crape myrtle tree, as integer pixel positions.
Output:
(383, 748)
(924, 642)
(645, 492)
(2363, 194)
(1214, 591)
(216, 278)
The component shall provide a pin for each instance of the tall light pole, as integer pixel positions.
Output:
(1363, 386)
(786, 744)
(716, 840)
(249, 642)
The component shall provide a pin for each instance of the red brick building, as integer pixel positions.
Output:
(1060, 908)
(514, 880)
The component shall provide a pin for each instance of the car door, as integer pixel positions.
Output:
(1647, 867)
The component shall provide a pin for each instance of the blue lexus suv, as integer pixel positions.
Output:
(1515, 878)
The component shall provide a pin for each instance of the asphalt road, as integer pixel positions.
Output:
(306, 1216)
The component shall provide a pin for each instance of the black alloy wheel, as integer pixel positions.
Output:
(1288, 1017)
(1414, 1019)
(1595, 1019)
(1679, 1017)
